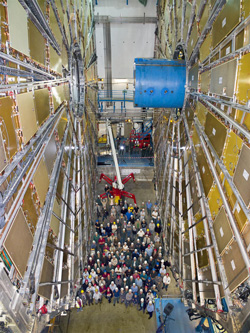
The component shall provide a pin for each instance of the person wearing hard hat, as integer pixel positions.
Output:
(150, 309)
(166, 281)
(129, 298)
(122, 295)
(97, 296)
(78, 304)
(114, 228)
(149, 207)
(83, 297)
(116, 294)
(142, 304)
(158, 228)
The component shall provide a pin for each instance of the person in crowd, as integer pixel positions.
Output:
(97, 296)
(126, 262)
(129, 298)
(142, 306)
(116, 294)
(122, 296)
(78, 304)
(166, 281)
(149, 207)
(150, 309)
(158, 228)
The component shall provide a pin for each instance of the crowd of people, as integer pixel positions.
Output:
(126, 262)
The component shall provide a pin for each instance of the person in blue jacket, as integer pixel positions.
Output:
(116, 294)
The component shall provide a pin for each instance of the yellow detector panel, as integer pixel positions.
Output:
(27, 115)
(214, 201)
(42, 104)
(205, 47)
(205, 78)
(3, 158)
(238, 212)
(216, 132)
(41, 181)
(36, 43)
(235, 267)
(201, 111)
(222, 230)
(243, 80)
(58, 94)
(225, 22)
(231, 151)
(246, 8)
(205, 172)
(55, 223)
(18, 242)
(7, 127)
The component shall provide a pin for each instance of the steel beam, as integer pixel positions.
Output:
(58, 256)
(128, 20)
(231, 219)
(32, 68)
(20, 155)
(236, 125)
(230, 37)
(36, 15)
(107, 57)
(214, 13)
(190, 218)
(32, 85)
(20, 195)
(79, 198)
(199, 250)
(223, 169)
(208, 226)
(229, 103)
(181, 222)
(53, 5)
(168, 188)
(36, 258)
(204, 281)
(54, 283)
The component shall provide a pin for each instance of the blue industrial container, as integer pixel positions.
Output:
(159, 83)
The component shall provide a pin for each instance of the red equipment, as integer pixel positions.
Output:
(142, 138)
(115, 192)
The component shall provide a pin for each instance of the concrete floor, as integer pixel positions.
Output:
(106, 317)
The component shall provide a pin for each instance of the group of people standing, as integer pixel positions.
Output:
(126, 262)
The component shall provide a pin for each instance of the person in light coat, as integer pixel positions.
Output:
(166, 281)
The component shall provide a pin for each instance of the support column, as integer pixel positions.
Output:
(107, 57)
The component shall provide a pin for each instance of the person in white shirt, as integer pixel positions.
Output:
(118, 270)
(93, 273)
(154, 215)
(140, 234)
(142, 214)
(112, 286)
(125, 247)
(97, 296)
(114, 228)
(163, 270)
(166, 281)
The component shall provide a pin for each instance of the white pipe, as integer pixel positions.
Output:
(118, 175)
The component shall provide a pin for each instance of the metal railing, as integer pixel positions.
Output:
(115, 96)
